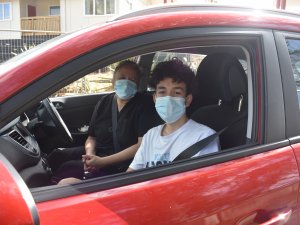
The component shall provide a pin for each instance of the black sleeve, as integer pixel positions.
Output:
(148, 116)
(91, 131)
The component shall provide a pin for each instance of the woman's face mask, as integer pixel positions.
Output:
(170, 109)
(125, 89)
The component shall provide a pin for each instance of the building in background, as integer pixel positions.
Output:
(61, 15)
(26, 23)
(69, 15)
(291, 5)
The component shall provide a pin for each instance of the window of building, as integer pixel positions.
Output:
(54, 10)
(99, 7)
(5, 11)
(294, 51)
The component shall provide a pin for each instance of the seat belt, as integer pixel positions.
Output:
(114, 118)
(198, 146)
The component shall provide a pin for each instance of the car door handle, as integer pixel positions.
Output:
(280, 219)
(255, 218)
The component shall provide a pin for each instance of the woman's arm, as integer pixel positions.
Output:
(90, 146)
(100, 162)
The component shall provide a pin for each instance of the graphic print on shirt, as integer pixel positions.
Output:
(159, 159)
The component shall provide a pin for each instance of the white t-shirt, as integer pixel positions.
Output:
(156, 149)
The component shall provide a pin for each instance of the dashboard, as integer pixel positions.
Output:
(22, 150)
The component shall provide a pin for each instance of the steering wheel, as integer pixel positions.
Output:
(58, 122)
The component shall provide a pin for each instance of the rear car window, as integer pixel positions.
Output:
(294, 52)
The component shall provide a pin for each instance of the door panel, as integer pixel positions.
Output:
(17, 205)
(76, 111)
(296, 148)
(264, 184)
(288, 46)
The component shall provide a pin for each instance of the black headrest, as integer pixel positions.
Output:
(221, 76)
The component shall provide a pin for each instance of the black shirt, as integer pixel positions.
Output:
(134, 120)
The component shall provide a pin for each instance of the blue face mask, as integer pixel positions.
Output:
(170, 109)
(125, 89)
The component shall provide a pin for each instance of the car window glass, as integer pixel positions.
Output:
(99, 81)
(95, 82)
(192, 60)
(294, 52)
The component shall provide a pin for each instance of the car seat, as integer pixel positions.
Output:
(222, 87)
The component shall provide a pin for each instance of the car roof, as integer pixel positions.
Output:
(26, 68)
(167, 8)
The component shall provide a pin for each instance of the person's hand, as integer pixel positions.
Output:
(86, 167)
(92, 162)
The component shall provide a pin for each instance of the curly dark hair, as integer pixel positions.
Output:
(128, 63)
(174, 69)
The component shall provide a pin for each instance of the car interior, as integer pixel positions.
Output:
(222, 98)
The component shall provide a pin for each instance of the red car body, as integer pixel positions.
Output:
(260, 186)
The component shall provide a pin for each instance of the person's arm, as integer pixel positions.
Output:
(90, 149)
(139, 160)
(100, 162)
(129, 169)
(90, 146)
(90, 143)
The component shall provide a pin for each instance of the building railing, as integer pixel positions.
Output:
(14, 42)
(41, 23)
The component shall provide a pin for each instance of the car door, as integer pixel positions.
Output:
(70, 107)
(17, 204)
(76, 101)
(288, 47)
(256, 183)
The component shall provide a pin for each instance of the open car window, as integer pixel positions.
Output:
(202, 60)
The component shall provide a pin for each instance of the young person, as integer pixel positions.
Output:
(135, 116)
(172, 81)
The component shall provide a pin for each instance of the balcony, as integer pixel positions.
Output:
(45, 24)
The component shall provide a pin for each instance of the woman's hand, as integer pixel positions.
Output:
(92, 162)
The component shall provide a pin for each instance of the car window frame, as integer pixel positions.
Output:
(135, 46)
(289, 87)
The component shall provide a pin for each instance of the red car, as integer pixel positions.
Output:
(247, 66)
